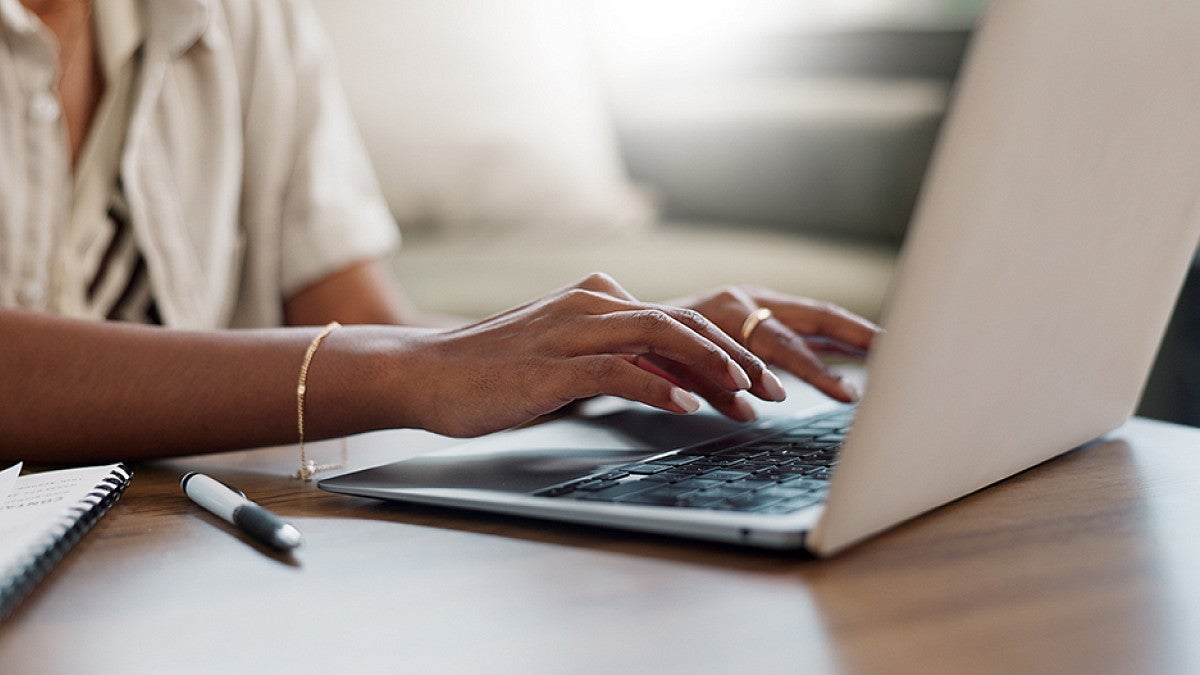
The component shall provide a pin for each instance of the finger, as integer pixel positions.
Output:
(732, 404)
(815, 319)
(648, 365)
(687, 338)
(791, 352)
(823, 345)
(763, 383)
(738, 304)
(742, 369)
(612, 375)
(754, 375)
(603, 283)
(651, 331)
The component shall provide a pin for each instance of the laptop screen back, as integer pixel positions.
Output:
(1059, 216)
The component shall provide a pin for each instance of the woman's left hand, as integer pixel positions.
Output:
(797, 329)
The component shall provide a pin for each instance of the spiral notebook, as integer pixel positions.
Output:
(43, 515)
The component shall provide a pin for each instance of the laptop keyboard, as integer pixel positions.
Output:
(778, 466)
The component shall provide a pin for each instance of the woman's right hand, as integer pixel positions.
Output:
(588, 339)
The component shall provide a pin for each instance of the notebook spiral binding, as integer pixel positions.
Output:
(49, 550)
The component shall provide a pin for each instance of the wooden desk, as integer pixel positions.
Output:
(1089, 563)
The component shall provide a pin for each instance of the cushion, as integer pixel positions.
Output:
(474, 278)
(482, 115)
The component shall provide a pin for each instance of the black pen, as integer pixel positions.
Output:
(232, 506)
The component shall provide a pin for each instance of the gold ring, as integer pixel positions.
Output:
(751, 323)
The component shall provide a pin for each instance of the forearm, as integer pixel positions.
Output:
(76, 391)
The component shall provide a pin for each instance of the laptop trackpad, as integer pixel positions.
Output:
(507, 470)
(537, 457)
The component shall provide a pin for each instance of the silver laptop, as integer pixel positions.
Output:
(1060, 214)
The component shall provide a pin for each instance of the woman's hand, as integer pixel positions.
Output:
(797, 329)
(588, 339)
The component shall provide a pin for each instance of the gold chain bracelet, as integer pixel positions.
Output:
(309, 468)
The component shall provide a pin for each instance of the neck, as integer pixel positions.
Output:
(80, 82)
(50, 7)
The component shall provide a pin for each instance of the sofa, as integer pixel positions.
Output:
(518, 155)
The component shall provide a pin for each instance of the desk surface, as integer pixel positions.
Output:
(1088, 563)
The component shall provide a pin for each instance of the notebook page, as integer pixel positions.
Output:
(7, 478)
(36, 503)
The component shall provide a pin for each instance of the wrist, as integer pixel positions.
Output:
(366, 378)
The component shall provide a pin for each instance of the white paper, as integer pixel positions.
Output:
(7, 478)
(36, 503)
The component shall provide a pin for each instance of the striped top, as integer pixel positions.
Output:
(120, 289)
(111, 280)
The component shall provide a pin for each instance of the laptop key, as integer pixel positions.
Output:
(753, 483)
(697, 484)
(675, 460)
(807, 483)
(710, 463)
(779, 475)
(613, 492)
(726, 475)
(786, 491)
(595, 484)
(750, 501)
(667, 495)
(715, 497)
(558, 491)
(645, 468)
(831, 446)
(790, 505)
(770, 469)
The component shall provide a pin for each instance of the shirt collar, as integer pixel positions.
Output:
(119, 33)
(176, 24)
(123, 25)
(16, 18)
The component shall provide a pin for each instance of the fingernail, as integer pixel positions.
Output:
(851, 391)
(773, 387)
(745, 411)
(685, 400)
(740, 378)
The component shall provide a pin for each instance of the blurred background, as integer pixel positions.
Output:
(676, 144)
(679, 145)
(803, 116)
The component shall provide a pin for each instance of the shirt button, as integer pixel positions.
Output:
(44, 107)
(31, 295)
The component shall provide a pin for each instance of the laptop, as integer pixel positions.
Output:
(1054, 228)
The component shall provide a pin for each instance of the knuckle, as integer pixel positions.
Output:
(729, 295)
(692, 317)
(714, 354)
(577, 297)
(602, 367)
(653, 320)
(786, 339)
(597, 281)
(787, 342)
(651, 388)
